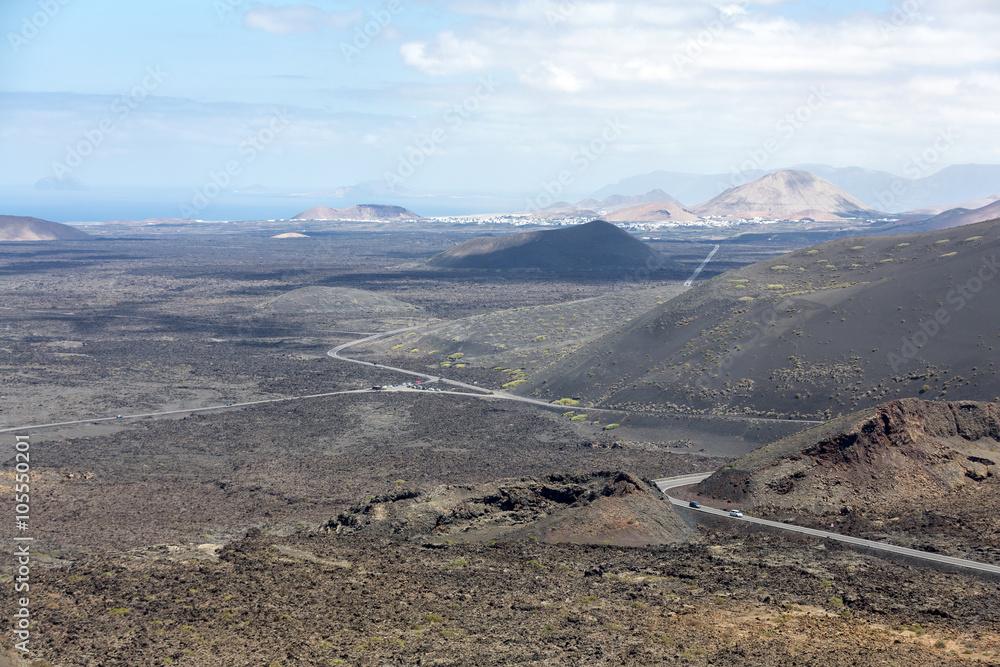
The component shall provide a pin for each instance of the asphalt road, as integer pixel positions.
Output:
(686, 480)
(335, 353)
(690, 281)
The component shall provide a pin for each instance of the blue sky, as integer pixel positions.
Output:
(500, 97)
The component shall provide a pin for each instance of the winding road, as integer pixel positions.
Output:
(686, 480)
(477, 392)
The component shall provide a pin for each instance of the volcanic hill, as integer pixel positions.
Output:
(959, 216)
(361, 212)
(596, 245)
(782, 194)
(901, 451)
(656, 212)
(921, 473)
(20, 228)
(601, 508)
(817, 332)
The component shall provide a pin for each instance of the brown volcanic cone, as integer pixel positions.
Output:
(600, 508)
(896, 453)
(19, 228)
(594, 245)
(656, 212)
(780, 195)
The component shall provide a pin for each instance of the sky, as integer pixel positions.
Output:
(511, 97)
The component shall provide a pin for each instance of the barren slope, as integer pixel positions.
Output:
(781, 194)
(20, 228)
(596, 245)
(820, 331)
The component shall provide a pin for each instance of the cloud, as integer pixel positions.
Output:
(711, 81)
(446, 55)
(294, 19)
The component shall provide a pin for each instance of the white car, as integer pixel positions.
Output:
(735, 513)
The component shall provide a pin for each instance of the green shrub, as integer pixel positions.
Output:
(566, 401)
(611, 427)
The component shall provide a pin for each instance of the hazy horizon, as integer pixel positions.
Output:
(492, 98)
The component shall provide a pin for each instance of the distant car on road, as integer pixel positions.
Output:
(735, 513)
(695, 504)
(118, 416)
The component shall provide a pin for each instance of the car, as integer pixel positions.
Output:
(735, 513)
(695, 504)
(118, 416)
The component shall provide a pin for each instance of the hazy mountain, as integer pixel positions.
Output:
(879, 190)
(782, 194)
(688, 188)
(967, 205)
(363, 212)
(596, 245)
(57, 183)
(617, 202)
(960, 216)
(20, 228)
(656, 212)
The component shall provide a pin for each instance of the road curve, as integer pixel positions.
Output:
(335, 353)
(686, 480)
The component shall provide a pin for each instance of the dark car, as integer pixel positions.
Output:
(695, 504)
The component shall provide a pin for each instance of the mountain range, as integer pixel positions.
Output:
(879, 190)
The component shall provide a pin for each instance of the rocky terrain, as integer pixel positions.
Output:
(599, 508)
(362, 310)
(931, 466)
(212, 538)
(324, 599)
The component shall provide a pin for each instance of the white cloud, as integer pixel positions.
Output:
(446, 55)
(714, 79)
(292, 19)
